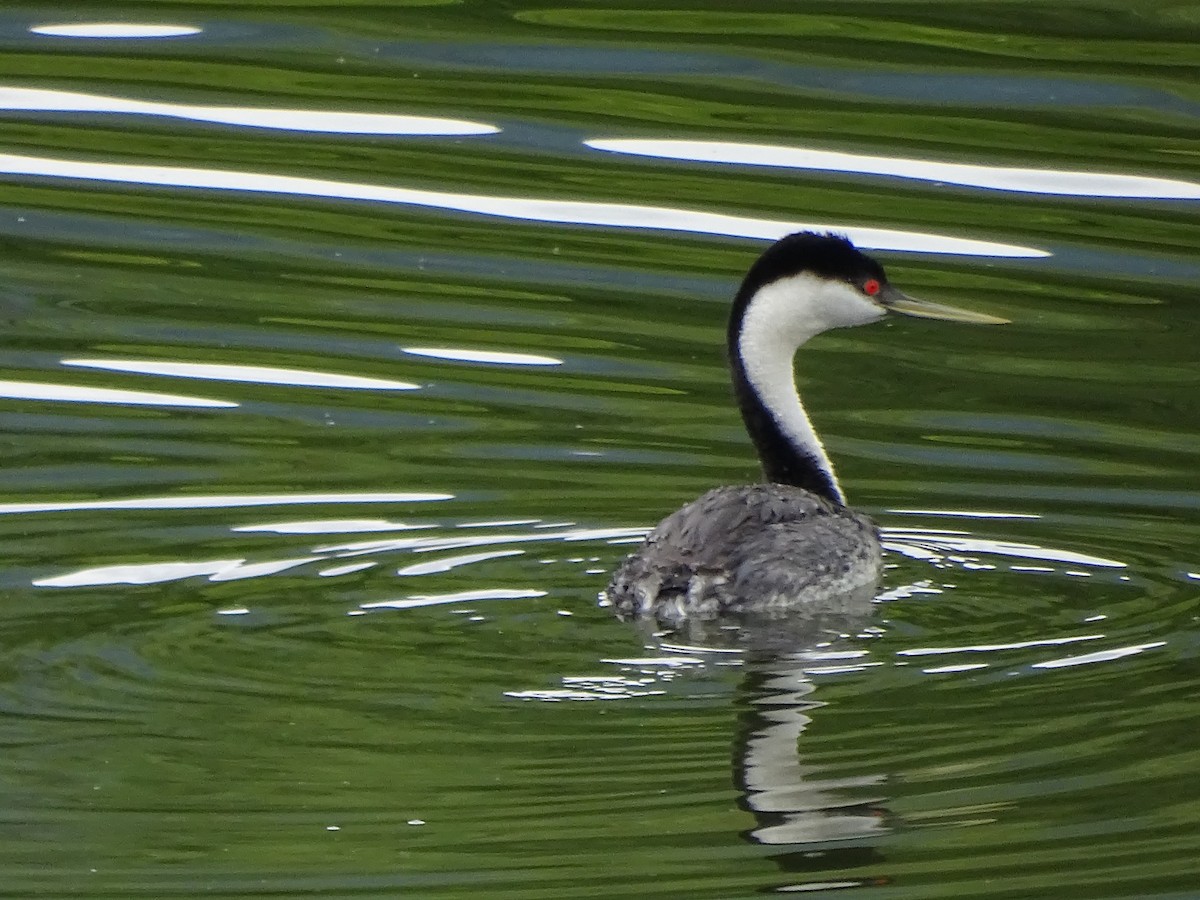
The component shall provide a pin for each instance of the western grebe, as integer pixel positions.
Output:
(791, 542)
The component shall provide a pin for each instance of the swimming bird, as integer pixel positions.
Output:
(790, 543)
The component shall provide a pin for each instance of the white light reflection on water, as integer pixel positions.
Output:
(143, 573)
(459, 542)
(348, 569)
(992, 648)
(231, 501)
(250, 374)
(483, 356)
(259, 569)
(1099, 656)
(904, 591)
(666, 662)
(446, 563)
(612, 215)
(457, 597)
(950, 670)
(69, 393)
(312, 120)
(586, 688)
(114, 30)
(236, 569)
(938, 545)
(1002, 178)
(961, 514)
(333, 526)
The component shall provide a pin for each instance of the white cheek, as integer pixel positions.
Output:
(794, 309)
(844, 306)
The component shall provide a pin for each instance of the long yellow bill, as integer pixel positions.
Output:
(895, 301)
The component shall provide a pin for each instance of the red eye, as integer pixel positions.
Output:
(871, 287)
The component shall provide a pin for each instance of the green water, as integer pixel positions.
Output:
(272, 635)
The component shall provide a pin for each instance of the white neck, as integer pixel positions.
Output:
(781, 317)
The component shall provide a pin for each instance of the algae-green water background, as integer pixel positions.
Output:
(329, 641)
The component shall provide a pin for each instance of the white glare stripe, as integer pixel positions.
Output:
(964, 667)
(314, 120)
(333, 526)
(944, 542)
(462, 542)
(157, 573)
(484, 356)
(1003, 178)
(252, 374)
(453, 562)
(614, 215)
(220, 502)
(146, 573)
(688, 649)
(669, 662)
(114, 30)
(961, 514)
(69, 393)
(460, 597)
(258, 570)
(987, 648)
(334, 571)
(1101, 656)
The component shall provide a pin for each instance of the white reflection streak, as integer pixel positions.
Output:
(146, 573)
(348, 569)
(69, 393)
(666, 662)
(159, 572)
(484, 356)
(1100, 656)
(333, 526)
(459, 597)
(988, 648)
(963, 667)
(959, 513)
(445, 564)
(251, 374)
(558, 695)
(114, 30)
(260, 569)
(910, 544)
(219, 502)
(615, 215)
(1028, 551)
(1003, 178)
(433, 544)
(266, 117)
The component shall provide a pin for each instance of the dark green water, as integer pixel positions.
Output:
(275, 634)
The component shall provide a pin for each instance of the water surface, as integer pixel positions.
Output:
(346, 351)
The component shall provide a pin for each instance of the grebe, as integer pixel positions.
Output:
(790, 543)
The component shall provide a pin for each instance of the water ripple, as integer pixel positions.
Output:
(612, 215)
(217, 501)
(326, 121)
(124, 30)
(1001, 178)
(250, 374)
(73, 393)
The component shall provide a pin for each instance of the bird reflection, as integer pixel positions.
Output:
(792, 802)
(816, 822)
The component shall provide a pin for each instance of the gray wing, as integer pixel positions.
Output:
(756, 545)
